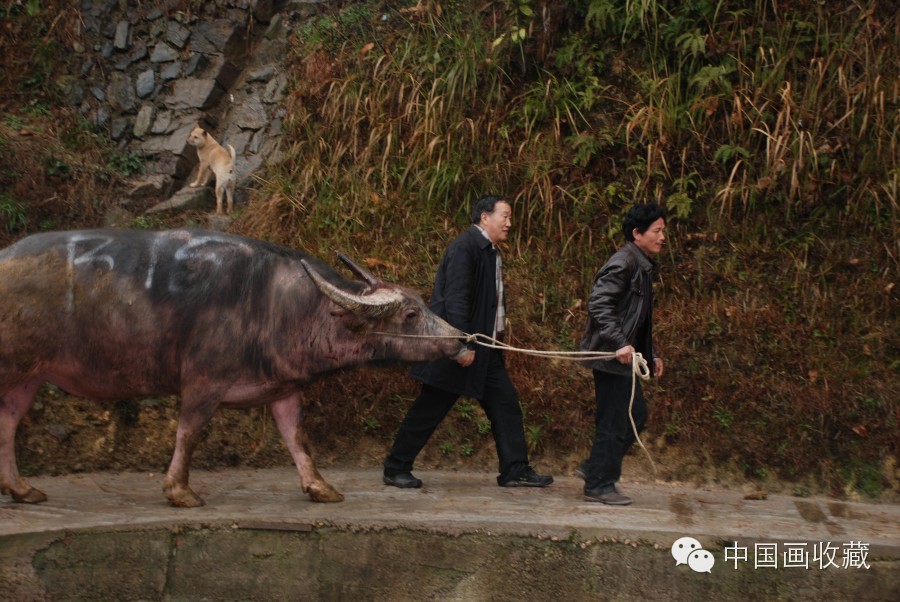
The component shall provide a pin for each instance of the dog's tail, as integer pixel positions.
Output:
(231, 169)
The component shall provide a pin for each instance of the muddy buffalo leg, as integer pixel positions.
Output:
(288, 416)
(13, 405)
(197, 407)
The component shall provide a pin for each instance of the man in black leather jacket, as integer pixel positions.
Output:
(620, 320)
(468, 293)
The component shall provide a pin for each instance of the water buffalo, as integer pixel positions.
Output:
(215, 318)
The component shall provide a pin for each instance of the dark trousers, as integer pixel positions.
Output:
(613, 433)
(501, 405)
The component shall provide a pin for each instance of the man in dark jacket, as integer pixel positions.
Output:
(468, 293)
(620, 319)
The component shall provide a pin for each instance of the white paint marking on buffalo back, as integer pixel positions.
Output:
(90, 255)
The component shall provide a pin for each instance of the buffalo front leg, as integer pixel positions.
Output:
(13, 406)
(288, 416)
(194, 416)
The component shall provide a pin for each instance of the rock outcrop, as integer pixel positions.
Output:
(151, 72)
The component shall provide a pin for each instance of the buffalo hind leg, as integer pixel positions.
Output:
(193, 418)
(287, 415)
(13, 406)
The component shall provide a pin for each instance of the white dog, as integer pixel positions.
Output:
(214, 159)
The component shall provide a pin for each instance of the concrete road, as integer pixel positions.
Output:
(456, 503)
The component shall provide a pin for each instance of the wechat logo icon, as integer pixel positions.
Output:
(688, 550)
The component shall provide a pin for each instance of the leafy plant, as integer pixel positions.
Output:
(534, 437)
(723, 416)
(57, 168)
(13, 215)
(127, 163)
(466, 409)
(148, 222)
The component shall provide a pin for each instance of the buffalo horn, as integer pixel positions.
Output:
(360, 271)
(376, 305)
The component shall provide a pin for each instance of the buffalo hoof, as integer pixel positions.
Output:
(184, 498)
(31, 496)
(323, 492)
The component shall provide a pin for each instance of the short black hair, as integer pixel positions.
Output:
(641, 217)
(485, 205)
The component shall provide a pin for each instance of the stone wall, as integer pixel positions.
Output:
(151, 71)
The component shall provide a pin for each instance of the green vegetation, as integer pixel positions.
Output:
(769, 129)
(12, 214)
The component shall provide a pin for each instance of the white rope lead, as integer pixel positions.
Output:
(639, 367)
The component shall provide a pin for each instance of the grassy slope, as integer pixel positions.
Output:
(769, 132)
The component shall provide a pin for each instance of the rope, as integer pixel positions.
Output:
(639, 367)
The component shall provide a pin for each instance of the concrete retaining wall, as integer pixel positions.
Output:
(307, 563)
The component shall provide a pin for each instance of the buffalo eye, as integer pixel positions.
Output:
(411, 315)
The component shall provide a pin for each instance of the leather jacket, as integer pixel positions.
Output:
(619, 298)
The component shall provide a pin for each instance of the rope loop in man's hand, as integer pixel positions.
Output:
(640, 366)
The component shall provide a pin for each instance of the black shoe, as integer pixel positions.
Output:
(526, 478)
(608, 496)
(403, 480)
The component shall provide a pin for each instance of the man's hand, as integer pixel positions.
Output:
(466, 358)
(658, 368)
(625, 354)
